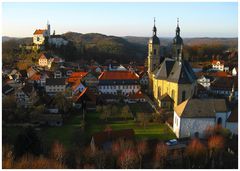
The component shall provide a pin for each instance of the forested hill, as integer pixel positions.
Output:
(230, 42)
(122, 49)
(102, 47)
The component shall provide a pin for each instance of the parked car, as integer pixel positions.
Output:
(172, 142)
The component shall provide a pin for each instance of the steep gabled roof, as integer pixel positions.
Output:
(39, 31)
(200, 108)
(175, 71)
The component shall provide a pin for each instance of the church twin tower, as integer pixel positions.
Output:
(154, 48)
(173, 81)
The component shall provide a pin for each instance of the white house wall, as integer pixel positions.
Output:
(189, 126)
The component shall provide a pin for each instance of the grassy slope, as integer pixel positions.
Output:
(152, 130)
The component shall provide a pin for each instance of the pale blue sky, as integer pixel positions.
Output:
(204, 19)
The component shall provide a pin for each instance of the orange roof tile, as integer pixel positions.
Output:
(35, 77)
(220, 74)
(39, 31)
(215, 61)
(76, 76)
(118, 75)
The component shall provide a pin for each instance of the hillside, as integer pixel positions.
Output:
(122, 49)
(231, 42)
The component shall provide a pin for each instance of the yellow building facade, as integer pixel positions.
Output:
(174, 77)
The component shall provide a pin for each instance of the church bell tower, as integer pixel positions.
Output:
(153, 51)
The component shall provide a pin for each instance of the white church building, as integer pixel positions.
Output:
(193, 116)
(40, 35)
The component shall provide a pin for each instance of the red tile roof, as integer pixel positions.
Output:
(76, 76)
(39, 31)
(220, 74)
(35, 77)
(118, 75)
(215, 62)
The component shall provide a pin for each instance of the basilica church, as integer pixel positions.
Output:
(172, 81)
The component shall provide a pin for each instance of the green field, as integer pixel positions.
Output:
(66, 133)
(152, 130)
(63, 134)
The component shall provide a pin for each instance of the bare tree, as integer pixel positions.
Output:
(161, 152)
(196, 152)
(128, 159)
(125, 112)
(58, 152)
(141, 150)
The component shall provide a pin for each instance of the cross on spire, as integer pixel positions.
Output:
(154, 21)
(178, 22)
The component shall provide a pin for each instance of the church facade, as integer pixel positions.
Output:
(174, 77)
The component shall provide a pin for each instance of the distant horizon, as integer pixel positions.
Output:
(197, 19)
(167, 37)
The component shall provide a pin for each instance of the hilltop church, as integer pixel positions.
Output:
(172, 81)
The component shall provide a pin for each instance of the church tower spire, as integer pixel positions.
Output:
(153, 55)
(177, 44)
(153, 50)
(154, 28)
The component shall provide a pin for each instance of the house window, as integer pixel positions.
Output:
(183, 95)
(38, 39)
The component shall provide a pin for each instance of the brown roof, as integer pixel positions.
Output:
(234, 114)
(200, 108)
(105, 136)
(39, 31)
(165, 97)
(118, 75)
(225, 83)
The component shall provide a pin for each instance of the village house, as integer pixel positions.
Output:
(193, 116)
(45, 60)
(135, 97)
(218, 65)
(26, 96)
(57, 40)
(118, 82)
(55, 85)
(225, 86)
(205, 81)
(40, 35)
(63, 72)
(91, 81)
